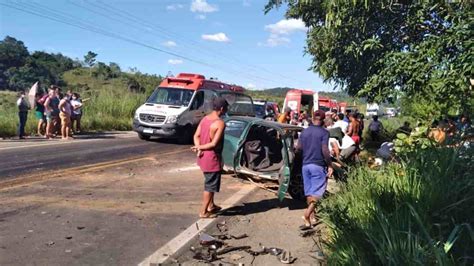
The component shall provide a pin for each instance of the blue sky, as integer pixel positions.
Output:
(232, 40)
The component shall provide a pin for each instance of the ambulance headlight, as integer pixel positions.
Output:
(135, 116)
(172, 119)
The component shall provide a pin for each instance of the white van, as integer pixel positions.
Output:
(178, 104)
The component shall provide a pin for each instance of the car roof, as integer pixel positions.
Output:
(264, 122)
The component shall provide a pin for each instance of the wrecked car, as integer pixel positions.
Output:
(264, 150)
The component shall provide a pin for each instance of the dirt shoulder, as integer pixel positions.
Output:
(269, 223)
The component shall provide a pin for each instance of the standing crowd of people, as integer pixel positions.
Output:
(57, 113)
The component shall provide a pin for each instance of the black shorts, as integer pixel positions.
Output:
(212, 181)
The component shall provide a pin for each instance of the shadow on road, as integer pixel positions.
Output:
(263, 206)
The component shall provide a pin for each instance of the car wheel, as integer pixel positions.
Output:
(296, 188)
(143, 137)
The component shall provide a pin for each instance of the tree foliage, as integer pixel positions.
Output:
(386, 49)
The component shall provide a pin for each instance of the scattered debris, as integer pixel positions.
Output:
(50, 243)
(235, 257)
(68, 251)
(80, 227)
(44, 212)
(307, 233)
(142, 202)
(239, 236)
(286, 258)
(68, 237)
(168, 194)
(30, 231)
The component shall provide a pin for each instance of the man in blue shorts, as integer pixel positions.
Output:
(313, 142)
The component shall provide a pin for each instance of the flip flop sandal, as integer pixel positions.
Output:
(208, 216)
(216, 209)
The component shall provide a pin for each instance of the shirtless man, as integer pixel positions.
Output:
(208, 144)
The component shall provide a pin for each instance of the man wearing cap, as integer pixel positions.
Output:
(317, 168)
(208, 144)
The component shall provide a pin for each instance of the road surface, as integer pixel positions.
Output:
(36, 156)
(84, 212)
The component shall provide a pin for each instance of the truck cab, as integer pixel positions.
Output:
(178, 104)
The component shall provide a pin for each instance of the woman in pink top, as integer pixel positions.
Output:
(208, 143)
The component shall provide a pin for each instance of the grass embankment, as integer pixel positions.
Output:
(110, 106)
(418, 212)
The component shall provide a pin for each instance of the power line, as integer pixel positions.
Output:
(116, 36)
(171, 33)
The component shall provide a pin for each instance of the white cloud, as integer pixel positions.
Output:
(169, 44)
(286, 26)
(201, 6)
(251, 86)
(218, 37)
(174, 7)
(201, 16)
(275, 40)
(280, 30)
(175, 61)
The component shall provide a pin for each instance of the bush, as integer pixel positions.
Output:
(418, 212)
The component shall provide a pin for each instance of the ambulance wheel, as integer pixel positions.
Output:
(143, 137)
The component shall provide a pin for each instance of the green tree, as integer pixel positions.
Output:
(383, 49)
(90, 59)
(115, 70)
(13, 54)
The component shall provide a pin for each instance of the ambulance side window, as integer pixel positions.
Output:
(208, 96)
(198, 100)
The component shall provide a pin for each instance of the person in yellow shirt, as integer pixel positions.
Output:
(285, 117)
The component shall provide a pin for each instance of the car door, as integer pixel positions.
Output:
(284, 174)
(234, 131)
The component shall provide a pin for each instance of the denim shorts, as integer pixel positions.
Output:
(212, 181)
(314, 180)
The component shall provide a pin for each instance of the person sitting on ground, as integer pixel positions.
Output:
(375, 128)
(341, 123)
(65, 115)
(285, 117)
(39, 113)
(23, 108)
(76, 117)
(385, 151)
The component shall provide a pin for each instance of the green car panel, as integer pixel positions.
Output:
(237, 129)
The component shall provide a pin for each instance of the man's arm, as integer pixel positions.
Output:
(46, 104)
(219, 127)
(326, 154)
(61, 104)
(197, 135)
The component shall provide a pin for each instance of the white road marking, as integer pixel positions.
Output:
(180, 241)
(57, 142)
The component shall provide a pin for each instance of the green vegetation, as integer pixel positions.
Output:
(418, 212)
(386, 50)
(417, 54)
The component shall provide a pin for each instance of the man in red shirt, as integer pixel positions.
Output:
(208, 144)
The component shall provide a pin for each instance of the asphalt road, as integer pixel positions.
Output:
(36, 156)
(112, 214)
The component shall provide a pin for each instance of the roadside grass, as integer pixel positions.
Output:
(418, 212)
(110, 106)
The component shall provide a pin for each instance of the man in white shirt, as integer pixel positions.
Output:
(341, 123)
(342, 151)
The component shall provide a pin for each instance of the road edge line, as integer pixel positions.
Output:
(178, 243)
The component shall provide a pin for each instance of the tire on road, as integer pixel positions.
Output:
(144, 137)
(187, 136)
